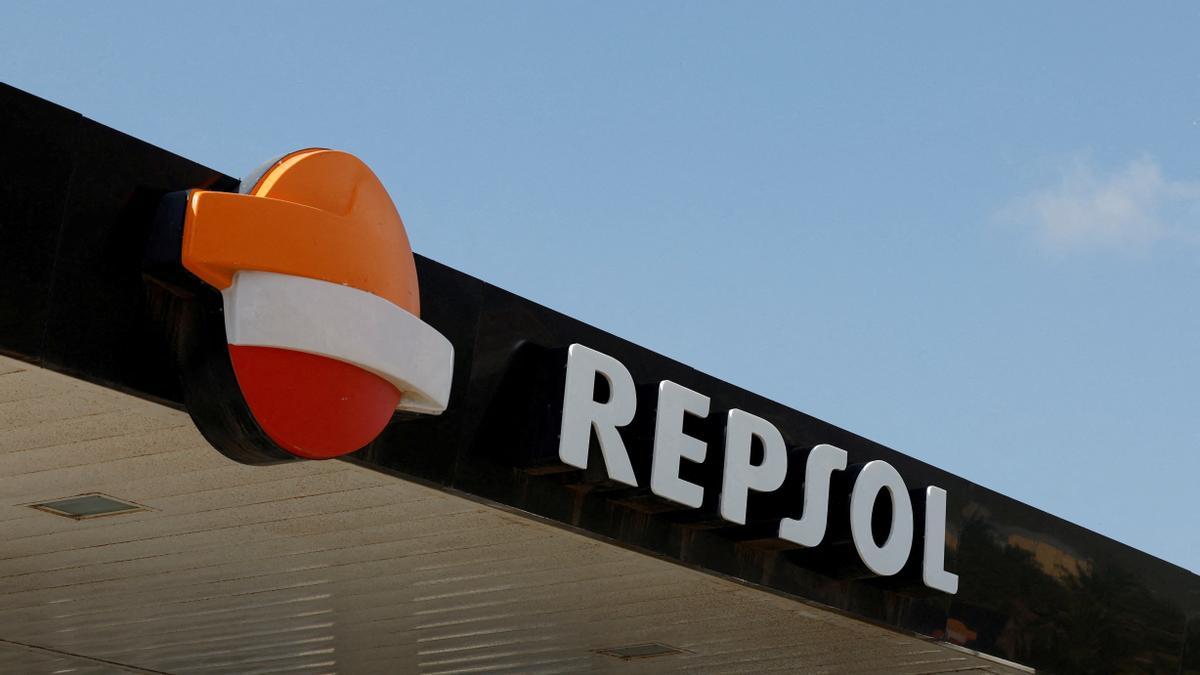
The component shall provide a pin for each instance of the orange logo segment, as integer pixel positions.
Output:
(320, 214)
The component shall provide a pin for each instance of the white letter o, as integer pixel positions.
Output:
(888, 559)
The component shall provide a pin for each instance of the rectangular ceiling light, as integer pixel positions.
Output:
(81, 507)
(642, 651)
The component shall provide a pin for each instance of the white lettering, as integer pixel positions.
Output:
(809, 530)
(933, 565)
(740, 476)
(888, 559)
(582, 414)
(671, 444)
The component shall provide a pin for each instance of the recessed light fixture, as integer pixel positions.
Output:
(647, 650)
(83, 507)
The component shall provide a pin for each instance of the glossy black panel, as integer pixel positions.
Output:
(115, 191)
(38, 157)
(1033, 588)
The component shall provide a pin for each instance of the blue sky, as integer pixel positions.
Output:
(968, 231)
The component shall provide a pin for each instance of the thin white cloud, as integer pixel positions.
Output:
(1129, 208)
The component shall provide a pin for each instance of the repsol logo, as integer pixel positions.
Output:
(586, 416)
(320, 338)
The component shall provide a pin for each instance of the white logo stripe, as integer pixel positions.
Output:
(266, 309)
